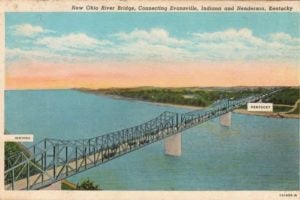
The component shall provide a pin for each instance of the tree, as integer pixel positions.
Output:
(87, 185)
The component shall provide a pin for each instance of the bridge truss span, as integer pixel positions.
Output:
(51, 160)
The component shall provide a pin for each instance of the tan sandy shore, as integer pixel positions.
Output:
(145, 101)
(240, 111)
(267, 114)
(174, 105)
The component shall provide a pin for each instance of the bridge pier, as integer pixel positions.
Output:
(225, 119)
(173, 145)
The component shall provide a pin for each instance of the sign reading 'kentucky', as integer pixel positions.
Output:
(260, 107)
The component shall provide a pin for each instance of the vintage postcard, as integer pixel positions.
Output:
(150, 99)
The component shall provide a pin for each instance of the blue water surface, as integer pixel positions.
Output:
(255, 153)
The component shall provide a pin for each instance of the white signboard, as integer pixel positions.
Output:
(18, 138)
(260, 107)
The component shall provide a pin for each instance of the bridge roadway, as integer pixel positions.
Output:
(52, 160)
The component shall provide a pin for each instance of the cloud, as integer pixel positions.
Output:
(72, 42)
(285, 38)
(36, 55)
(153, 36)
(240, 39)
(28, 30)
(229, 34)
(243, 44)
(229, 44)
(143, 50)
(159, 45)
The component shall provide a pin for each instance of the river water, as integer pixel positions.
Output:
(255, 153)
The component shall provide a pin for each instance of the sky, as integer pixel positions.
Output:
(102, 50)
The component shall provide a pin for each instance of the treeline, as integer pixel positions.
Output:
(162, 96)
(13, 149)
(86, 184)
(287, 96)
(182, 96)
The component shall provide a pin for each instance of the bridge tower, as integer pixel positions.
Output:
(173, 145)
(225, 119)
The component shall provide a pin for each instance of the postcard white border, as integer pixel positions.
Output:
(65, 6)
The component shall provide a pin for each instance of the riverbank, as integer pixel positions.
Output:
(67, 185)
(144, 101)
(191, 107)
(267, 114)
(240, 111)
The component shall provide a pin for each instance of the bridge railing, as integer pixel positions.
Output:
(195, 117)
(55, 155)
(50, 160)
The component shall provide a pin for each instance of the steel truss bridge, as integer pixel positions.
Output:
(51, 160)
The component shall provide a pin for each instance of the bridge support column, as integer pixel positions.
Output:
(54, 186)
(225, 119)
(173, 145)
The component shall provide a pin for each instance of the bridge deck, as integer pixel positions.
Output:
(52, 160)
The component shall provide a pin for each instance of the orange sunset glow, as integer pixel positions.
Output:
(106, 51)
(106, 75)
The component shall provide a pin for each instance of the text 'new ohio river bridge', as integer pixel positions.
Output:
(52, 160)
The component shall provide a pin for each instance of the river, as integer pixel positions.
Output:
(255, 153)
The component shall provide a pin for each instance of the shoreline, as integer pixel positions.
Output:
(144, 101)
(267, 114)
(172, 105)
(239, 111)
